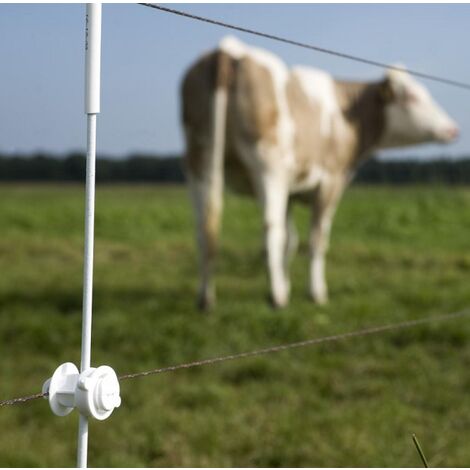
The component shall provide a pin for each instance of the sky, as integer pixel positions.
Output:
(145, 53)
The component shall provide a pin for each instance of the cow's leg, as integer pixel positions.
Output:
(324, 205)
(207, 199)
(274, 195)
(205, 157)
(292, 242)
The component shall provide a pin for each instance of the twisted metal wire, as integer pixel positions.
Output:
(299, 344)
(16, 401)
(323, 50)
(273, 349)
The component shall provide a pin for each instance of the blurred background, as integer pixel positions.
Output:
(399, 250)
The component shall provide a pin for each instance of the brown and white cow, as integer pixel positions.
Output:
(286, 131)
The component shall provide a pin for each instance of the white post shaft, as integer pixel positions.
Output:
(82, 448)
(92, 107)
(89, 235)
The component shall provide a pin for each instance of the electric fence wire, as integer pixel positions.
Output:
(270, 350)
(323, 50)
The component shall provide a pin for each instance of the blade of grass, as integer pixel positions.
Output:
(420, 451)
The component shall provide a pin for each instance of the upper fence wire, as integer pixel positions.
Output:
(323, 50)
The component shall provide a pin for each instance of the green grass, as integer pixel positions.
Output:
(396, 254)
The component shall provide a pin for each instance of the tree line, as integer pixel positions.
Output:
(170, 169)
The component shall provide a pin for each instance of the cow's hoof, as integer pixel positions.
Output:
(319, 299)
(277, 304)
(205, 303)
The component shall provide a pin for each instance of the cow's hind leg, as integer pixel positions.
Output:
(292, 240)
(207, 197)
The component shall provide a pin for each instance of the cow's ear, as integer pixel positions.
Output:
(386, 91)
(397, 70)
(396, 79)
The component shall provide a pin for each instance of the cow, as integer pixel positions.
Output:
(279, 133)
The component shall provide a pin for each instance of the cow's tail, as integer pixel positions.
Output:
(220, 104)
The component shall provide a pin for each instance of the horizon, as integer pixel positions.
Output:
(410, 157)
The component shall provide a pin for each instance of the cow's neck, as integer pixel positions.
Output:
(363, 109)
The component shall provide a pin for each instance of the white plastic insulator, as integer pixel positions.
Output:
(92, 58)
(95, 392)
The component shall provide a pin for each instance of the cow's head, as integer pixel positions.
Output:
(411, 115)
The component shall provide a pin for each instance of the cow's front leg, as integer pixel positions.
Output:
(324, 205)
(274, 201)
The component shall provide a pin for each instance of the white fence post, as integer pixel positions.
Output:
(94, 391)
(92, 108)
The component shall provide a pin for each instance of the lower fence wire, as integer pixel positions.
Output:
(299, 344)
(273, 349)
(17, 401)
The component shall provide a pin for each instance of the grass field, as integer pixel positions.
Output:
(396, 253)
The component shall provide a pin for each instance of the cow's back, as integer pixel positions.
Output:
(291, 114)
